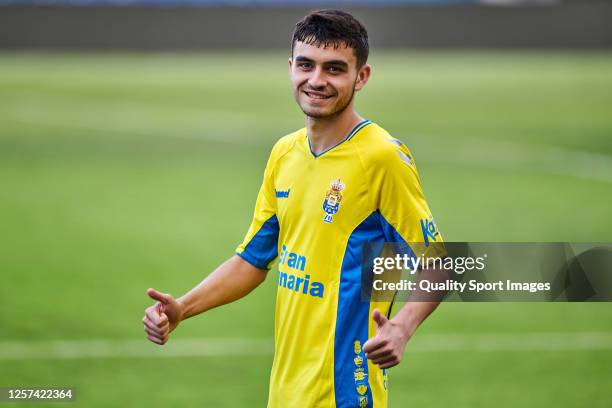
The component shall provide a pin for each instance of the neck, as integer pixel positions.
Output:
(324, 133)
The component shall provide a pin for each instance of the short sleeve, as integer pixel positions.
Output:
(260, 245)
(405, 215)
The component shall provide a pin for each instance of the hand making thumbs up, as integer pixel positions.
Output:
(161, 318)
(387, 347)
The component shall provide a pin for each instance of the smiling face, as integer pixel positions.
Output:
(325, 78)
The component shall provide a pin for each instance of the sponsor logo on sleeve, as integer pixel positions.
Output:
(430, 230)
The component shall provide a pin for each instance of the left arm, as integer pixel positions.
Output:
(406, 219)
(387, 347)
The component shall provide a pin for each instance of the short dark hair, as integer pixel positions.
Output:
(333, 28)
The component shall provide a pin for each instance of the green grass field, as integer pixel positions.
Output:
(125, 171)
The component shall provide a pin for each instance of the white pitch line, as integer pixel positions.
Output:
(74, 349)
(512, 342)
(228, 347)
(94, 114)
(511, 155)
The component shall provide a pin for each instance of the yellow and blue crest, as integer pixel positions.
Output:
(360, 374)
(333, 197)
(357, 347)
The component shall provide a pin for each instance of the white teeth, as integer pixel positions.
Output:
(316, 96)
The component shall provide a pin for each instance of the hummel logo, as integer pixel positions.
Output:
(282, 193)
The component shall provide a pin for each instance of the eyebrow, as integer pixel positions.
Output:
(339, 63)
(301, 58)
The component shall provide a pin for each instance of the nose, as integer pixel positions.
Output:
(317, 79)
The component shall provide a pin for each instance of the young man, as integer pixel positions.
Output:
(328, 189)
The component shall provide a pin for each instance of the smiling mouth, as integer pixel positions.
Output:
(316, 95)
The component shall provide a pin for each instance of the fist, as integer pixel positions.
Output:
(161, 318)
(387, 347)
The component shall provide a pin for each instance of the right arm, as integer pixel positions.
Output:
(232, 280)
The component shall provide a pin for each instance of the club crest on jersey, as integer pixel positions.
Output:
(333, 197)
(359, 374)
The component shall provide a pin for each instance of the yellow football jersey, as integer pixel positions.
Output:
(315, 213)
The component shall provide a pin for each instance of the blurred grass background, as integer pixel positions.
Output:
(125, 171)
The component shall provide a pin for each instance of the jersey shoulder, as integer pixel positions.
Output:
(285, 144)
(379, 149)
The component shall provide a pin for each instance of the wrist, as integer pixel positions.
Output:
(406, 331)
(406, 325)
(182, 309)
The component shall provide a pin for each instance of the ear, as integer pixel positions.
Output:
(290, 63)
(362, 77)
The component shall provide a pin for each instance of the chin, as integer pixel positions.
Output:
(321, 111)
(315, 113)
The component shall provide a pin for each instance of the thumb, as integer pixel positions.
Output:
(378, 318)
(163, 298)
